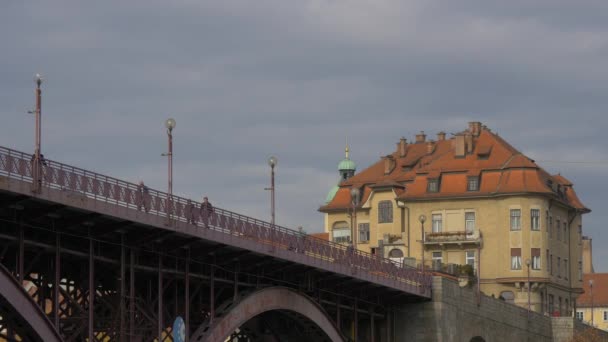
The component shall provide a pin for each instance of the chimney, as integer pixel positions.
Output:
(475, 128)
(421, 137)
(389, 164)
(459, 150)
(468, 140)
(402, 147)
(430, 147)
(441, 136)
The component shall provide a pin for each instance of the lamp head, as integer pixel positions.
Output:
(170, 124)
(422, 218)
(38, 79)
(354, 195)
(528, 262)
(272, 161)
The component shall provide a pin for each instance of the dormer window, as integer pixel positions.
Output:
(432, 185)
(473, 183)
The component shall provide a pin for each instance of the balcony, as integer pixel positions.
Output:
(454, 238)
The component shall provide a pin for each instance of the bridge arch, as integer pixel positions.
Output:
(478, 339)
(271, 299)
(27, 320)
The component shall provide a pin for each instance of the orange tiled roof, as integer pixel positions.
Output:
(600, 290)
(502, 169)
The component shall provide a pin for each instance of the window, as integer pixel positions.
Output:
(566, 269)
(432, 185)
(559, 265)
(551, 227)
(535, 258)
(580, 271)
(470, 258)
(473, 183)
(560, 305)
(547, 219)
(516, 258)
(385, 212)
(437, 223)
(551, 303)
(565, 232)
(579, 315)
(507, 296)
(341, 235)
(469, 222)
(558, 232)
(515, 219)
(396, 254)
(580, 235)
(551, 265)
(363, 232)
(437, 256)
(535, 219)
(605, 315)
(547, 258)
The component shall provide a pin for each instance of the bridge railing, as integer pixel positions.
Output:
(80, 182)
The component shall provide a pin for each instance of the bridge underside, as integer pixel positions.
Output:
(101, 277)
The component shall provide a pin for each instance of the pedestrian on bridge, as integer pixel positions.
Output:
(191, 213)
(206, 211)
(142, 197)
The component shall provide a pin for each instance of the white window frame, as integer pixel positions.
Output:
(469, 257)
(605, 316)
(341, 233)
(469, 224)
(536, 263)
(440, 257)
(515, 220)
(535, 219)
(580, 315)
(437, 225)
(367, 236)
(516, 261)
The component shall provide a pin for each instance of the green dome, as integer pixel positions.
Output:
(347, 164)
(331, 194)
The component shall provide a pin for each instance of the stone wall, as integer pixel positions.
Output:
(454, 315)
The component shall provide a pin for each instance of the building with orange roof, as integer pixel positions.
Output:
(470, 199)
(592, 306)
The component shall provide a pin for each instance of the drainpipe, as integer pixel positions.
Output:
(404, 222)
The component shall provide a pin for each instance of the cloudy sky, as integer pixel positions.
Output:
(247, 79)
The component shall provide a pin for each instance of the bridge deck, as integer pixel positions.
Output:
(111, 205)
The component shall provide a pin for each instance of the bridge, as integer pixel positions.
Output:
(91, 257)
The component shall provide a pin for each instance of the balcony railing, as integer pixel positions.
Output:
(455, 237)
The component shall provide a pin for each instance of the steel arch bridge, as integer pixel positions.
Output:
(104, 259)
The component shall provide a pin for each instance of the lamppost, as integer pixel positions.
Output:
(37, 162)
(272, 162)
(170, 125)
(422, 219)
(591, 287)
(354, 201)
(528, 266)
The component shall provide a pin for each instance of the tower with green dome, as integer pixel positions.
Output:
(347, 169)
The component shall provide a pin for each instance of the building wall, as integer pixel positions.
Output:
(492, 219)
(598, 316)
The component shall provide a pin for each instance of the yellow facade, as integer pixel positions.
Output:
(496, 240)
(599, 319)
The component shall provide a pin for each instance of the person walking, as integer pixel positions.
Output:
(206, 211)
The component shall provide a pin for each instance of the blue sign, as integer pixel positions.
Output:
(179, 330)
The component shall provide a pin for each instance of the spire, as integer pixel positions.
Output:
(346, 150)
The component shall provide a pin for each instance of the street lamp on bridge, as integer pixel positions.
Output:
(170, 125)
(37, 161)
(422, 219)
(354, 201)
(272, 162)
(528, 266)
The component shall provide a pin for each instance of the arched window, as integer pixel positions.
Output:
(507, 296)
(385, 212)
(395, 253)
(341, 232)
